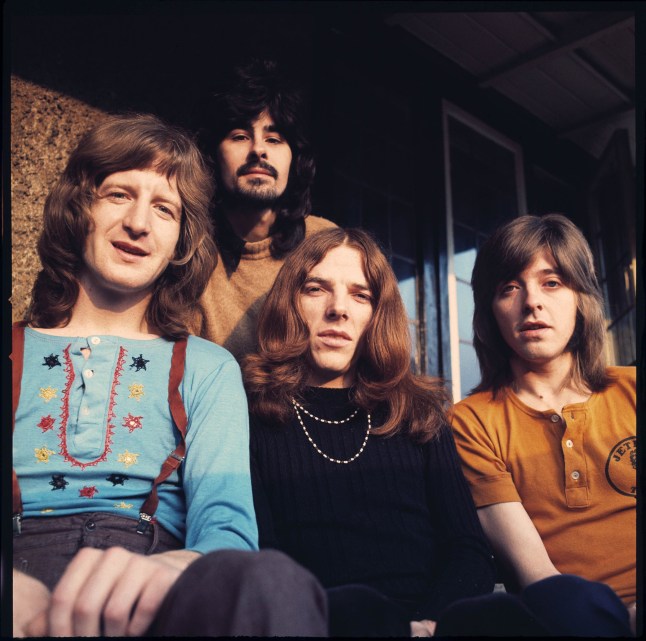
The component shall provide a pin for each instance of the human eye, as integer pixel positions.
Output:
(275, 140)
(166, 211)
(506, 289)
(238, 136)
(116, 195)
(363, 297)
(552, 283)
(312, 289)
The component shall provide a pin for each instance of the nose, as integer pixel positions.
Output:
(258, 147)
(533, 299)
(137, 218)
(338, 307)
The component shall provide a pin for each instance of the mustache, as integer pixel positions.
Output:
(255, 164)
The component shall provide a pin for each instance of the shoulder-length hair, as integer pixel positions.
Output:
(250, 89)
(507, 253)
(122, 143)
(412, 404)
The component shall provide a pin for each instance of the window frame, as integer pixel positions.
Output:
(450, 110)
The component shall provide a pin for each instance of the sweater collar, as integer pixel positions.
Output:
(232, 248)
(330, 403)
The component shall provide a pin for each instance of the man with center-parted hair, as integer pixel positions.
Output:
(132, 501)
(250, 126)
(355, 473)
(548, 438)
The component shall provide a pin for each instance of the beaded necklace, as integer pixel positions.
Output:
(298, 406)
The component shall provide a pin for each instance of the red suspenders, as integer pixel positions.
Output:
(178, 413)
(17, 349)
(177, 410)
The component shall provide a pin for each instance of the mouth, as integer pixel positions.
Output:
(254, 172)
(127, 248)
(263, 169)
(334, 338)
(533, 326)
(531, 331)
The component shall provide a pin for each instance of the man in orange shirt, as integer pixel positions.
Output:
(547, 439)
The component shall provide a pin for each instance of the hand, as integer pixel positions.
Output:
(423, 628)
(110, 593)
(30, 599)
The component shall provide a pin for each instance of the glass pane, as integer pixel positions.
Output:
(405, 273)
(622, 348)
(483, 179)
(619, 292)
(469, 369)
(484, 196)
(406, 277)
(464, 243)
(465, 312)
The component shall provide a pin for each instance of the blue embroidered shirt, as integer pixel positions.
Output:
(91, 435)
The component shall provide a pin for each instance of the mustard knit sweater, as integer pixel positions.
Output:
(228, 310)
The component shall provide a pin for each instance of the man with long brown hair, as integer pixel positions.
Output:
(547, 438)
(132, 497)
(354, 468)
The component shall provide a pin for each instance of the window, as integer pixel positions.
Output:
(613, 243)
(485, 188)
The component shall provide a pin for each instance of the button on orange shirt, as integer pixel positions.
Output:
(575, 474)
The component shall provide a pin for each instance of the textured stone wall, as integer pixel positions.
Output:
(45, 127)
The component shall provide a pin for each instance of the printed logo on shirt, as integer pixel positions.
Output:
(621, 467)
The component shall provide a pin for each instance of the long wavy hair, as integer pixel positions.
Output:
(121, 143)
(279, 371)
(251, 88)
(505, 254)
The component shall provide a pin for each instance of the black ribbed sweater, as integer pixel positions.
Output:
(399, 518)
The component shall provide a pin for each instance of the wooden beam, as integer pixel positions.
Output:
(596, 120)
(580, 34)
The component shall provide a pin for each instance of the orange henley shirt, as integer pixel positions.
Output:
(574, 473)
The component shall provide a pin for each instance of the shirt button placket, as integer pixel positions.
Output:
(576, 482)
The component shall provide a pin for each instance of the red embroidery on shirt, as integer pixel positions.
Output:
(46, 423)
(88, 491)
(65, 413)
(132, 422)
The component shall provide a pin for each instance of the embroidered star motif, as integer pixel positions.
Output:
(88, 491)
(117, 479)
(51, 361)
(132, 422)
(42, 454)
(123, 505)
(47, 393)
(128, 458)
(136, 391)
(139, 362)
(46, 423)
(58, 482)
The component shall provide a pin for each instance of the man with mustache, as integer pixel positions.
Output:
(548, 437)
(250, 126)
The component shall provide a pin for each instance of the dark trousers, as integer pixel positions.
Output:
(562, 605)
(234, 593)
(47, 544)
(224, 593)
(361, 611)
